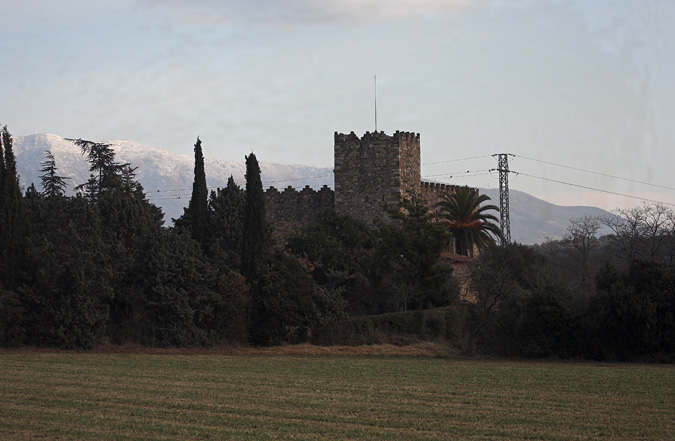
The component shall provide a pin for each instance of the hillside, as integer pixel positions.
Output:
(534, 220)
(167, 178)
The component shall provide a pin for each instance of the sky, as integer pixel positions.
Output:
(580, 93)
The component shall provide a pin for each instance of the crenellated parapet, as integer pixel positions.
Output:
(436, 186)
(431, 192)
(370, 172)
(293, 207)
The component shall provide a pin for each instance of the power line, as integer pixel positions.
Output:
(152, 192)
(298, 179)
(455, 160)
(166, 195)
(168, 198)
(487, 172)
(166, 191)
(162, 194)
(459, 173)
(591, 188)
(596, 173)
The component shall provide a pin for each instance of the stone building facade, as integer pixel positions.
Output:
(370, 172)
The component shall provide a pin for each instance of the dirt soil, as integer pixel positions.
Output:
(416, 349)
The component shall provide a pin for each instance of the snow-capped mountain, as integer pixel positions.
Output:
(167, 178)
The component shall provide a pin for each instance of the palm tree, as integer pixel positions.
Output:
(467, 220)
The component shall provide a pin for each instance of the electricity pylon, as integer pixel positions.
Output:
(504, 221)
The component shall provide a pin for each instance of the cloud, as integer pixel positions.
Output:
(303, 12)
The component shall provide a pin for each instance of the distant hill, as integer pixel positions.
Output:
(167, 178)
(534, 220)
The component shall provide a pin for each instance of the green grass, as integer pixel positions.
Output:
(98, 396)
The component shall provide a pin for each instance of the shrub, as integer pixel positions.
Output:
(389, 328)
(11, 318)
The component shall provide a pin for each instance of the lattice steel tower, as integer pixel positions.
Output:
(504, 221)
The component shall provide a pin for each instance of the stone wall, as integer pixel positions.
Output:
(373, 171)
(291, 207)
(370, 172)
(431, 192)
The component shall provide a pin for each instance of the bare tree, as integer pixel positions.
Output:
(643, 233)
(581, 241)
(496, 276)
(654, 230)
(404, 291)
(669, 242)
(490, 283)
(625, 225)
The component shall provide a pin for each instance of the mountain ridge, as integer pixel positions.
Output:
(167, 179)
(166, 176)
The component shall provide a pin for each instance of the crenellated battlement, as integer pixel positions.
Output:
(430, 192)
(436, 186)
(407, 136)
(370, 172)
(292, 207)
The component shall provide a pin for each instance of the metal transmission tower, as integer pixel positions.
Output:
(504, 221)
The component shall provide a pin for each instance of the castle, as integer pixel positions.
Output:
(370, 172)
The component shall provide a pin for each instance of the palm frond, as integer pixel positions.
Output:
(463, 212)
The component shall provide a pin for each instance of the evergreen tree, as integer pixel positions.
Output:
(171, 282)
(12, 315)
(338, 249)
(126, 218)
(89, 189)
(52, 184)
(198, 207)
(412, 250)
(255, 234)
(69, 293)
(226, 211)
(101, 158)
(13, 222)
(128, 176)
(127, 214)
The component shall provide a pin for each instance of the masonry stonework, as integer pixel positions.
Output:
(291, 207)
(374, 171)
(370, 173)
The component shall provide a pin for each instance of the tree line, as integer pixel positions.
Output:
(605, 298)
(101, 267)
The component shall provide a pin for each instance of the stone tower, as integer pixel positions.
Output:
(374, 171)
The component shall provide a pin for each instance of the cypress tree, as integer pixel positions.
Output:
(13, 222)
(255, 232)
(198, 207)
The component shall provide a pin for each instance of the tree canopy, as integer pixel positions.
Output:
(13, 222)
(255, 240)
(463, 213)
(198, 207)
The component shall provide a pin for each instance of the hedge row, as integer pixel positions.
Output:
(396, 328)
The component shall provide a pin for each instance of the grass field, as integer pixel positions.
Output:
(99, 396)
